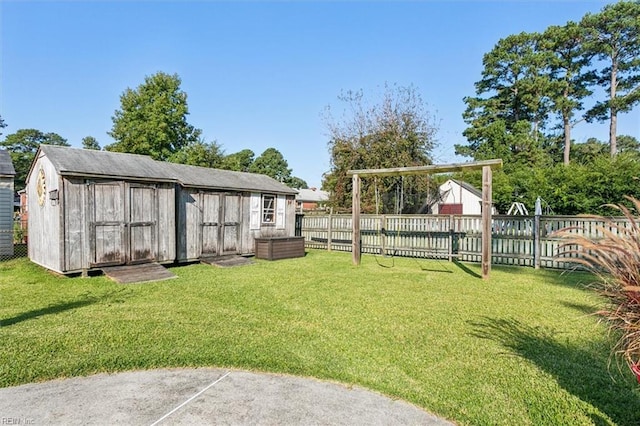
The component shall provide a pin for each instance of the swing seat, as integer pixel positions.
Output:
(636, 370)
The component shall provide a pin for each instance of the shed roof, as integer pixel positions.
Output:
(204, 177)
(104, 164)
(6, 165)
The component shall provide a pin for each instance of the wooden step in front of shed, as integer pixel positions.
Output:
(227, 261)
(128, 274)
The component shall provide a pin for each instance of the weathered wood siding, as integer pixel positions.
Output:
(131, 209)
(166, 198)
(102, 222)
(251, 212)
(6, 216)
(209, 223)
(45, 231)
(230, 223)
(76, 245)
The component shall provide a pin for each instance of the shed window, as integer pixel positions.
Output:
(268, 209)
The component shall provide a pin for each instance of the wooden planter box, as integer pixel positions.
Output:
(274, 248)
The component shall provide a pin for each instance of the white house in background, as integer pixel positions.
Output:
(458, 197)
(311, 199)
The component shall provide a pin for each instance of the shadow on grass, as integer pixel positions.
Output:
(57, 308)
(581, 307)
(466, 269)
(581, 372)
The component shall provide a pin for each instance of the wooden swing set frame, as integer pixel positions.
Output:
(486, 166)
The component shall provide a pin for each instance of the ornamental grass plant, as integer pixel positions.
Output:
(613, 255)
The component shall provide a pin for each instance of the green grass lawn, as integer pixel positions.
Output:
(522, 348)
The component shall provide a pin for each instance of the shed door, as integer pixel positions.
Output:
(107, 209)
(210, 207)
(142, 223)
(231, 224)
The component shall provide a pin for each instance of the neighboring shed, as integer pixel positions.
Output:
(89, 209)
(458, 197)
(7, 173)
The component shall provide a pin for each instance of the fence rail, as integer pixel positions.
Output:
(516, 240)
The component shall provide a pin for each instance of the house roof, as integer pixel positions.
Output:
(475, 191)
(6, 165)
(104, 164)
(312, 194)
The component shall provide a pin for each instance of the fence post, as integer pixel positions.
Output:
(536, 234)
(329, 229)
(356, 244)
(383, 235)
(451, 235)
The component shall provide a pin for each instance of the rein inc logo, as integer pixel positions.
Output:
(17, 421)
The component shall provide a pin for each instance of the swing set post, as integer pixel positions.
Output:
(355, 220)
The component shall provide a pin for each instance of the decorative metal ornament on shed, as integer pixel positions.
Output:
(41, 188)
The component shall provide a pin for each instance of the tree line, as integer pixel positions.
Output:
(534, 88)
(152, 121)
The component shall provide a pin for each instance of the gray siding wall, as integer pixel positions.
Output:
(76, 245)
(60, 232)
(44, 220)
(248, 235)
(78, 213)
(6, 216)
(194, 219)
(209, 223)
(188, 223)
(166, 194)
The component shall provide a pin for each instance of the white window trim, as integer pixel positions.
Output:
(281, 203)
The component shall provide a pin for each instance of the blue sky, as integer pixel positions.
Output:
(258, 74)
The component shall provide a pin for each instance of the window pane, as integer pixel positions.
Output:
(268, 208)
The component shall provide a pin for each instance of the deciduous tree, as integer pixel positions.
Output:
(152, 119)
(297, 183)
(272, 163)
(239, 161)
(397, 131)
(22, 146)
(199, 153)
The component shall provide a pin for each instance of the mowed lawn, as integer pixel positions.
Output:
(522, 348)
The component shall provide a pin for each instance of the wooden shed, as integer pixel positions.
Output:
(91, 209)
(221, 212)
(7, 173)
